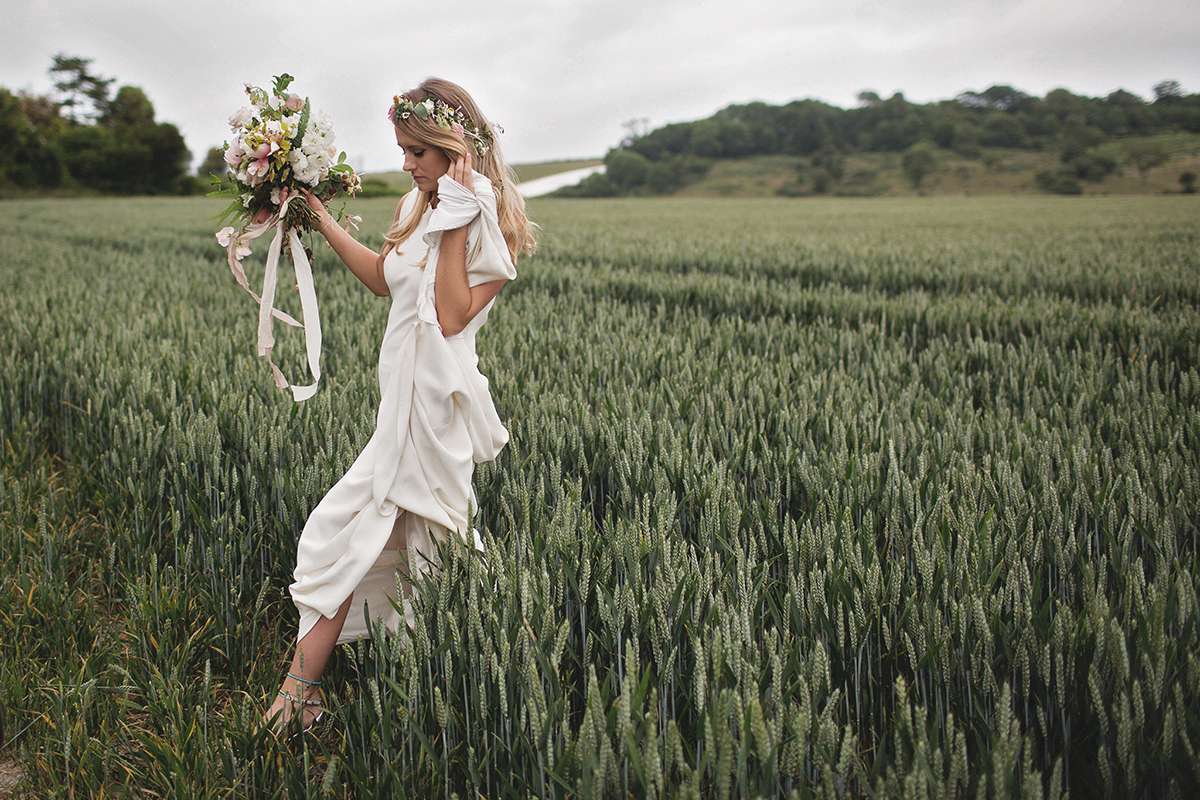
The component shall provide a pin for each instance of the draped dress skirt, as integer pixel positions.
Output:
(411, 484)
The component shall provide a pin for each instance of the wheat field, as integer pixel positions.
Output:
(819, 498)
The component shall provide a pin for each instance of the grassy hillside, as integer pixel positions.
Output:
(998, 171)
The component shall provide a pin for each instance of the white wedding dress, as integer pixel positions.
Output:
(412, 481)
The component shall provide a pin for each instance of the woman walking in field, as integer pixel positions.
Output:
(453, 244)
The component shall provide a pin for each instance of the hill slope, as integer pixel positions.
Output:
(997, 171)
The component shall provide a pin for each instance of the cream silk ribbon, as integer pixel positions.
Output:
(266, 303)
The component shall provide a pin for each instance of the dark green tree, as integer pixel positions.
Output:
(869, 98)
(28, 159)
(1167, 91)
(129, 110)
(1003, 130)
(213, 163)
(918, 162)
(1146, 155)
(626, 169)
(84, 94)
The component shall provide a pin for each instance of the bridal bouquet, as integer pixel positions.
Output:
(279, 148)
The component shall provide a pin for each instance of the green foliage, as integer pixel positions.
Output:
(1058, 181)
(626, 169)
(918, 163)
(595, 185)
(628, 172)
(1146, 155)
(376, 187)
(120, 149)
(1082, 129)
(213, 164)
(1187, 182)
(1000, 116)
(823, 499)
(1096, 163)
(281, 83)
(84, 95)
(27, 158)
(860, 183)
(302, 125)
(831, 161)
(1003, 130)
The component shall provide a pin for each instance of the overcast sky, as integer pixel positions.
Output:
(560, 76)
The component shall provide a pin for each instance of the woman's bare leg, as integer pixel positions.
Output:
(309, 660)
(313, 651)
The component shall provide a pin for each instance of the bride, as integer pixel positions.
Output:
(452, 246)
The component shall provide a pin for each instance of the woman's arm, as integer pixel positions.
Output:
(360, 259)
(455, 300)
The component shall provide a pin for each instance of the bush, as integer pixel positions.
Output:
(664, 178)
(919, 162)
(377, 187)
(595, 185)
(861, 183)
(793, 188)
(822, 181)
(193, 184)
(1096, 163)
(626, 169)
(1058, 181)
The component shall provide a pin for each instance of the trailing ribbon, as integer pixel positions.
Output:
(266, 303)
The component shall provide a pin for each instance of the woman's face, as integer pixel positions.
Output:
(424, 163)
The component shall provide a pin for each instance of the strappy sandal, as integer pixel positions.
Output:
(305, 702)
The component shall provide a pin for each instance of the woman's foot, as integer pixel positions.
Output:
(296, 701)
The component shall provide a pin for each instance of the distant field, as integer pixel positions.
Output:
(826, 498)
(400, 181)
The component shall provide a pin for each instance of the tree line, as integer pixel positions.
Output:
(85, 136)
(1081, 128)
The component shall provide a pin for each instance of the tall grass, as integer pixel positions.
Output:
(803, 499)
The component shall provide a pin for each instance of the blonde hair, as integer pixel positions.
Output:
(510, 205)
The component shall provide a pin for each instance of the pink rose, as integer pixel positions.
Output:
(457, 128)
(294, 102)
(259, 167)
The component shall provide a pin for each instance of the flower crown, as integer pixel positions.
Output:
(440, 112)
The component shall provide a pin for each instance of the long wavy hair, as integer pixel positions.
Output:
(517, 228)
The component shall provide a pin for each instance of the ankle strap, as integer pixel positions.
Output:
(306, 701)
(304, 680)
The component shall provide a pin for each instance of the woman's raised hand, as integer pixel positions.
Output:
(460, 168)
(316, 205)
